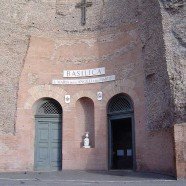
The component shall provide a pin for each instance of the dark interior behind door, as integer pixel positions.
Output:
(121, 144)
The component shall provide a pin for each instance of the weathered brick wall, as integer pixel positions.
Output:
(22, 18)
(174, 33)
(51, 18)
(157, 85)
(180, 150)
(60, 19)
(19, 20)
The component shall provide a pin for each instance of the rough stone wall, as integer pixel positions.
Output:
(19, 20)
(174, 27)
(13, 45)
(157, 92)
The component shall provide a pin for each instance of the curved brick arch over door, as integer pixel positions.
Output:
(48, 140)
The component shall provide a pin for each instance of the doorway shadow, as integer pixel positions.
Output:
(132, 175)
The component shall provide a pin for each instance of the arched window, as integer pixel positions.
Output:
(120, 104)
(49, 107)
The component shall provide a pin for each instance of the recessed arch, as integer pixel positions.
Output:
(85, 119)
(39, 92)
(81, 94)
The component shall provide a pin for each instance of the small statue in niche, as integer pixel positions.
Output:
(86, 141)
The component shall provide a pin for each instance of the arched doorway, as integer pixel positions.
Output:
(48, 135)
(121, 133)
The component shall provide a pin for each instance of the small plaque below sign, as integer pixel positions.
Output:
(67, 98)
(84, 81)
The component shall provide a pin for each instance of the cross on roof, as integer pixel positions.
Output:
(83, 5)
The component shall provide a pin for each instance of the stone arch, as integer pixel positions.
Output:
(43, 91)
(81, 94)
(122, 86)
(125, 104)
(38, 105)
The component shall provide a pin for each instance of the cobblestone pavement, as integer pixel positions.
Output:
(83, 178)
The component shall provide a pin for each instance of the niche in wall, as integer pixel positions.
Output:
(85, 120)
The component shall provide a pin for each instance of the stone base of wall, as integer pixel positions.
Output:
(180, 150)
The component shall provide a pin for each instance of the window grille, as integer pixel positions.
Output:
(120, 103)
(49, 107)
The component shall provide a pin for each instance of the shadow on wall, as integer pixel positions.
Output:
(131, 174)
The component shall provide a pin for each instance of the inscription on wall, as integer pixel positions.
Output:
(83, 81)
(84, 73)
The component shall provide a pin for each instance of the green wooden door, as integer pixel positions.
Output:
(48, 144)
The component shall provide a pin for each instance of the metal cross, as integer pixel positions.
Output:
(83, 5)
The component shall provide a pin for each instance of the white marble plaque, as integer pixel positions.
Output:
(84, 73)
(84, 81)
(67, 98)
(99, 96)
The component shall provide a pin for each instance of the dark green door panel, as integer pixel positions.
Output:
(42, 144)
(48, 144)
(55, 146)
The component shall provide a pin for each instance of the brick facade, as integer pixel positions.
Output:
(132, 40)
(180, 150)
